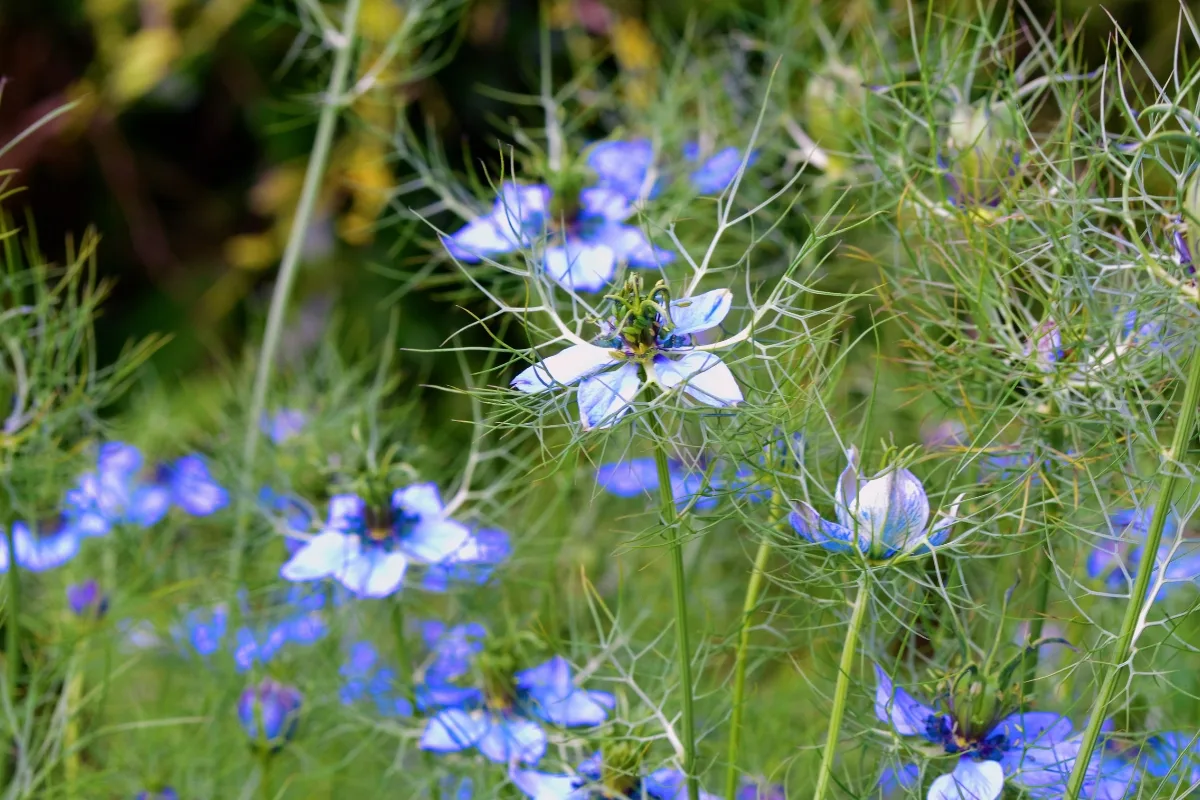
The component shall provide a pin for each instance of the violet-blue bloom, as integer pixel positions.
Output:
(203, 630)
(283, 424)
(113, 493)
(715, 173)
(370, 557)
(1115, 561)
(579, 252)
(39, 552)
(622, 166)
(365, 678)
(880, 517)
(612, 371)
(587, 783)
(166, 793)
(274, 706)
(1174, 755)
(638, 477)
(193, 488)
(86, 600)
(508, 728)
(475, 565)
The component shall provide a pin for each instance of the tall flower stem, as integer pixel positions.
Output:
(672, 523)
(403, 656)
(1130, 627)
(842, 688)
(265, 756)
(74, 695)
(753, 587)
(313, 176)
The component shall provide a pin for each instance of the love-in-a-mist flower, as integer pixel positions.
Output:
(1116, 560)
(1033, 750)
(270, 713)
(203, 630)
(503, 717)
(489, 548)
(87, 600)
(579, 241)
(638, 477)
(715, 172)
(366, 678)
(193, 487)
(368, 550)
(650, 340)
(880, 517)
(1174, 755)
(623, 166)
(616, 772)
(114, 493)
(282, 425)
(40, 550)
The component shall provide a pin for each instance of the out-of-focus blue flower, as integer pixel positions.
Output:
(365, 678)
(622, 166)
(489, 548)
(1034, 750)
(638, 477)
(273, 705)
(1173, 755)
(589, 778)
(716, 172)
(39, 553)
(368, 555)
(86, 600)
(894, 780)
(113, 493)
(503, 719)
(282, 424)
(1116, 560)
(880, 517)
(166, 793)
(294, 618)
(193, 488)
(612, 372)
(452, 649)
(579, 249)
(257, 646)
(204, 630)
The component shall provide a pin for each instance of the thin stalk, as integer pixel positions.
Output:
(265, 756)
(1044, 562)
(12, 647)
(313, 176)
(842, 688)
(1141, 583)
(753, 587)
(74, 712)
(671, 521)
(403, 656)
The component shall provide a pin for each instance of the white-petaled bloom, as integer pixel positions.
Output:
(650, 343)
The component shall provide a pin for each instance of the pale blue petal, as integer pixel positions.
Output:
(606, 204)
(715, 174)
(622, 165)
(386, 574)
(479, 238)
(520, 211)
(435, 541)
(422, 499)
(149, 505)
(891, 510)
(120, 458)
(543, 786)
(453, 729)
(703, 376)
(634, 477)
(605, 398)
(579, 265)
(971, 780)
(511, 739)
(806, 522)
(699, 313)
(893, 704)
(324, 555)
(630, 246)
(895, 780)
(347, 513)
(51, 552)
(564, 368)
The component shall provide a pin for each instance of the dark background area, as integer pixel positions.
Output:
(168, 176)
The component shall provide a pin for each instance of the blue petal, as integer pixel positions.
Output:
(435, 541)
(580, 265)
(893, 704)
(193, 488)
(478, 239)
(564, 368)
(622, 165)
(895, 780)
(634, 477)
(512, 738)
(604, 204)
(542, 785)
(421, 499)
(324, 555)
(375, 573)
(149, 504)
(830, 535)
(694, 314)
(605, 398)
(891, 510)
(630, 246)
(715, 174)
(703, 376)
(347, 513)
(971, 780)
(452, 730)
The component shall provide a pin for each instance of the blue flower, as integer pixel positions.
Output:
(1116, 560)
(275, 707)
(370, 556)
(1175, 755)
(622, 167)
(1034, 750)
(488, 549)
(113, 494)
(880, 517)
(895, 780)
(86, 600)
(365, 678)
(204, 629)
(39, 553)
(588, 782)
(282, 425)
(612, 372)
(716, 173)
(579, 250)
(638, 477)
(166, 793)
(453, 649)
(193, 488)
(505, 724)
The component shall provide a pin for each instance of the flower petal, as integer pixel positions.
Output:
(830, 535)
(607, 204)
(704, 377)
(622, 165)
(901, 709)
(383, 576)
(971, 780)
(453, 729)
(422, 499)
(542, 785)
(891, 510)
(513, 738)
(605, 398)
(478, 239)
(347, 513)
(520, 211)
(580, 265)
(630, 246)
(631, 478)
(699, 313)
(715, 174)
(321, 557)
(563, 368)
(436, 541)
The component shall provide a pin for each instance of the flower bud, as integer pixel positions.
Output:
(273, 704)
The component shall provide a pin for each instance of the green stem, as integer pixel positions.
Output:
(12, 646)
(671, 522)
(739, 667)
(1044, 562)
(842, 689)
(313, 177)
(1141, 583)
(74, 713)
(265, 755)
(403, 656)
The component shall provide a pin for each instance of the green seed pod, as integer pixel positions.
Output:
(1191, 210)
